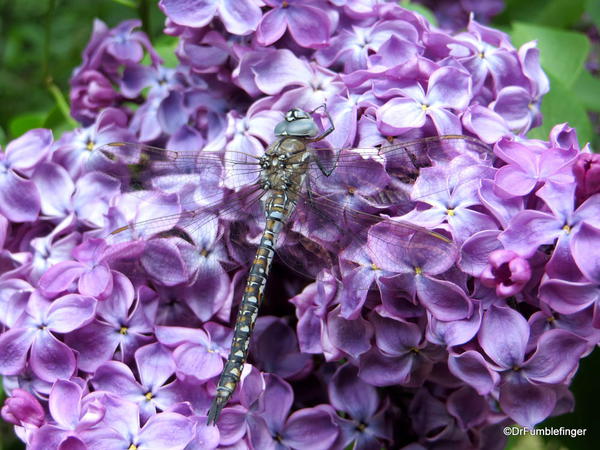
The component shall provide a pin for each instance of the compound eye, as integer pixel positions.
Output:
(296, 114)
(291, 115)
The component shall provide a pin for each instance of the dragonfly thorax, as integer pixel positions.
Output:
(284, 165)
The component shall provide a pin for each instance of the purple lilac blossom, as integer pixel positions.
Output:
(400, 340)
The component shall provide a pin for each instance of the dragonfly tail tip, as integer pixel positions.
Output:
(215, 410)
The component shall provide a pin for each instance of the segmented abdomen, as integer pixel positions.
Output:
(278, 210)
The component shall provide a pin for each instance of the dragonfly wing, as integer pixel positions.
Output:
(172, 247)
(142, 168)
(387, 181)
(176, 204)
(402, 160)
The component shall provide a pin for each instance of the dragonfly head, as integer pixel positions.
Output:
(297, 123)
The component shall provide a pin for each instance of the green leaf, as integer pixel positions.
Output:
(587, 90)
(526, 442)
(165, 46)
(552, 13)
(423, 10)
(558, 106)
(128, 3)
(55, 120)
(562, 53)
(592, 8)
(3, 142)
(62, 105)
(26, 122)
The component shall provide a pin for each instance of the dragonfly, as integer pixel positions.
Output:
(287, 180)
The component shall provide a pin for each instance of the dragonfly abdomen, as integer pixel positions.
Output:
(278, 208)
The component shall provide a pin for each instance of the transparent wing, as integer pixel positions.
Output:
(385, 177)
(402, 160)
(323, 224)
(322, 228)
(179, 197)
(141, 167)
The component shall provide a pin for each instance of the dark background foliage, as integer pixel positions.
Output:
(41, 42)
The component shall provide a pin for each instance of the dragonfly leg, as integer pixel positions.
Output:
(324, 170)
(329, 130)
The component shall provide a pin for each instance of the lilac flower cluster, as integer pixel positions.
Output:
(120, 346)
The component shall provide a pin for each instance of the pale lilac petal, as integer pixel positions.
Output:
(280, 69)
(378, 369)
(57, 187)
(14, 345)
(449, 87)
(349, 393)
(568, 297)
(445, 121)
(51, 359)
(163, 261)
(70, 312)
(312, 428)
(104, 438)
(351, 336)
(443, 299)
(14, 296)
(48, 436)
(96, 343)
(455, 332)
(190, 13)
(529, 55)
(399, 115)
(95, 281)
(116, 377)
(487, 125)
(239, 16)
(60, 277)
(232, 425)
(166, 430)
(185, 138)
(503, 209)
(395, 337)
(19, 198)
(589, 211)
(155, 364)
(277, 398)
(475, 251)
(271, 27)
(503, 336)
(197, 361)
(472, 368)
(512, 103)
(528, 230)
(557, 355)
(586, 238)
(527, 404)
(64, 403)
(28, 150)
(309, 26)
(171, 113)
(260, 434)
